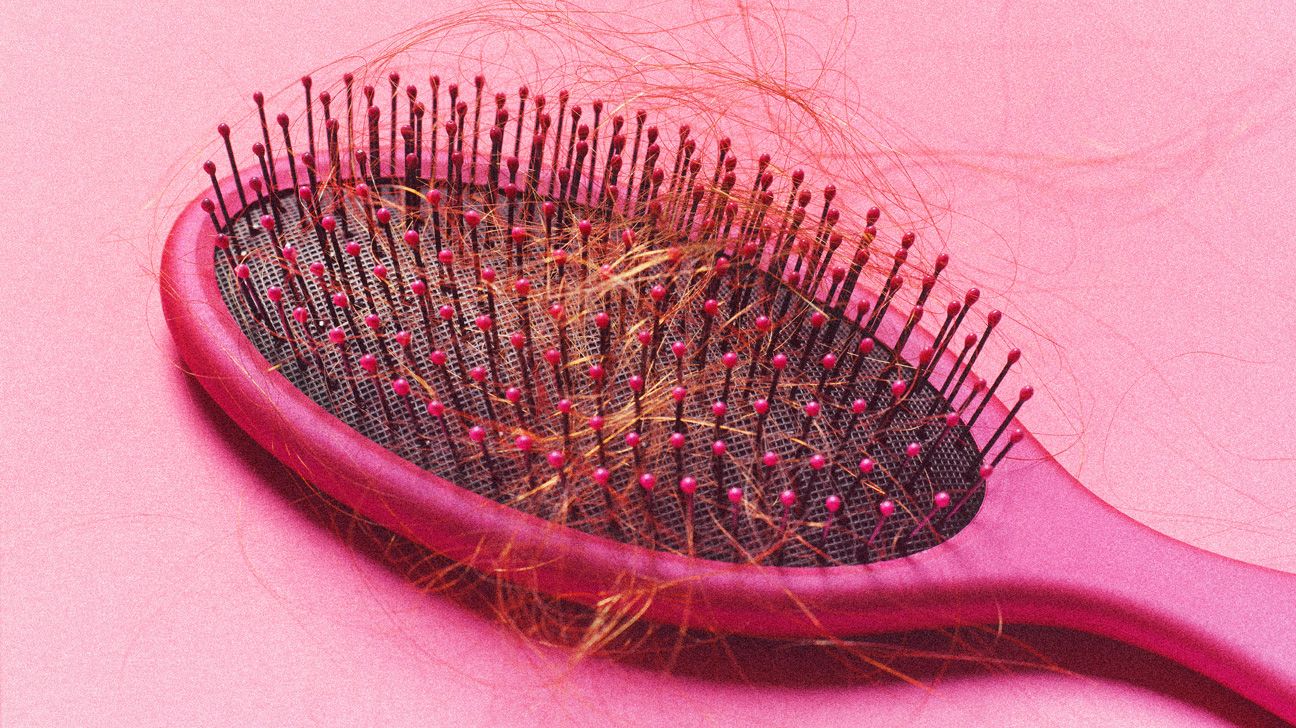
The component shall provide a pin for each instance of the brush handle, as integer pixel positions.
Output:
(1232, 621)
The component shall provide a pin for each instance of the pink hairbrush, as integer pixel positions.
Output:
(543, 341)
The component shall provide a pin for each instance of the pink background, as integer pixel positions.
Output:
(1121, 176)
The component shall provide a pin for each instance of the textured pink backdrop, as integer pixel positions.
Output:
(1125, 173)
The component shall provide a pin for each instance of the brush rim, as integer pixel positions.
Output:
(563, 562)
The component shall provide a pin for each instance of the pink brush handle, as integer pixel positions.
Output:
(1108, 574)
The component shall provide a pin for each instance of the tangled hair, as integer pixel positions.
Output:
(738, 82)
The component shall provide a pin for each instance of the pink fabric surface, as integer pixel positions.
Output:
(1119, 176)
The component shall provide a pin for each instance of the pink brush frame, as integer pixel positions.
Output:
(1042, 550)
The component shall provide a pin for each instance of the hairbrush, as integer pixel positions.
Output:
(571, 349)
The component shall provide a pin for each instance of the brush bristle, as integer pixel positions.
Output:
(552, 309)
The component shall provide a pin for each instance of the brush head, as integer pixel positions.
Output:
(590, 332)
(612, 343)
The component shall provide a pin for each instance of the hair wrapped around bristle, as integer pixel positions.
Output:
(623, 329)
